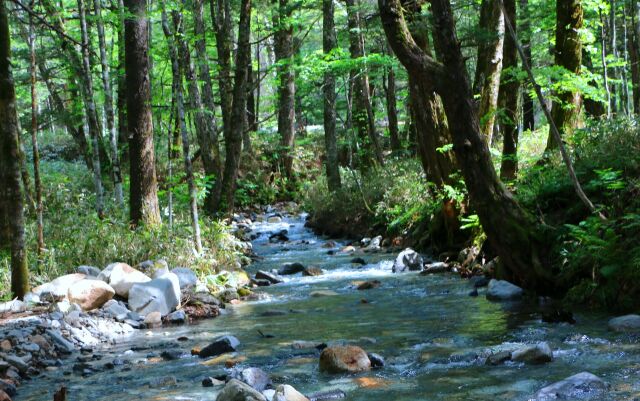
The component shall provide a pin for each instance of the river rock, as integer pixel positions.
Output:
(89, 271)
(61, 343)
(211, 382)
(177, 317)
(501, 290)
(274, 219)
(161, 295)
(280, 236)
(186, 277)
(220, 346)
(374, 244)
(533, 354)
(16, 362)
(371, 284)
(235, 390)
(285, 392)
(377, 361)
(153, 319)
(256, 378)
(322, 293)
(312, 271)
(123, 277)
(272, 278)
(436, 267)
(498, 358)
(358, 261)
(15, 306)
(115, 310)
(582, 386)
(627, 323)
(291, 268)
(4, 396)
(407, 260)
(344, 359)
(58, 289)
(90, 294)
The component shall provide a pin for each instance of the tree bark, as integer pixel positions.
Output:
(11, 203)
(283, 49)
(123, 131)
(362, 111)
(510, 230)
(330, 42)
(143, 202)
(489, 65)
(509, 89)
(95, 131)
(632, 48)
(116, 172)
(568, 54)
(34, 138)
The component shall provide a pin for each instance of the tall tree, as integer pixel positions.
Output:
(528, 113)
(143, 201)
(11, 203)
(108, 104)
(510, 230)
(31, 41)
(509, 89)
(489, 64)
(330, 42)
(283, 49)
(208, 139)
(362, 110)
(392, 111)
(95, 131)
(568, 54)
(123, 132)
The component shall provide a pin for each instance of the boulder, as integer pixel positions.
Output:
(498, 358)
(291, 268)
(358, 261)
(582, 386)
(90, 294)
(186, 277)
(627, 323)
(533, 354)
(177, 317)
(500, 290)
(377, 361)
(371, 284)
(256, 378)
(235, 390)
(123, 277)
(285, 392)
(58, 289)
(407, 260)
(220, 346)
(89, 271)
(272, 278)
(312, 271)
(344, 359)
(158, 295)
(374, 244)
(115, 310)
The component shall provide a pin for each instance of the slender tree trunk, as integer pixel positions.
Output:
(592, 107)
(625, 42)
(34, 138)
(252, 119)
(90, 107)
(143, 202)
(392, 112)
(123, 131)
(108, 105)
(11, 203)
(509, 89)
(632, 48)
(283, 49)
(330, 42)
(178, 71)
(489, 65)
(362, 112)
(510, 230)
(528, 113)
(603, 59)
(568, 54)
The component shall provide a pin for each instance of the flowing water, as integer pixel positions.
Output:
(431, 333)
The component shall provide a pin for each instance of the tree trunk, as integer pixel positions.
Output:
(510, 230)
(362, 112)
(123, 131)
(237, 103)
(592, 107)
(108, 106)
(11, 203)
(568, 54)
(509, 89)
(283, 49)
(178, 71)
(330, 42)
(34, 137)
(489, 65)
(632, 47)
(143, 202)
(528, 112)
(95, 131)
(392, 111)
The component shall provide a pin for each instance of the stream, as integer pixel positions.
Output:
(432, 335)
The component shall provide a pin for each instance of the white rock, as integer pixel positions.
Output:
(575, 387)
(285, 392)
(15, 306)
(123, 277)
(161, 295)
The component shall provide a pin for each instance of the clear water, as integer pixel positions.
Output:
(426, 327)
